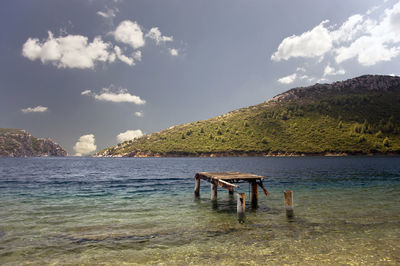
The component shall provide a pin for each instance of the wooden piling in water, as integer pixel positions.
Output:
(289, 203)
(241, 206)
(254, 194)
(197, 187)
(214, 189)
(229, 181)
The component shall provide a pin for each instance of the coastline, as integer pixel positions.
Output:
(248, 154)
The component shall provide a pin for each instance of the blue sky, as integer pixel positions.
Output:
(89, 74)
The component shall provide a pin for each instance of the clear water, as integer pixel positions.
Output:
(116, 210)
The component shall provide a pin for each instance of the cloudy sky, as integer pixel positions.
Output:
(90, 74)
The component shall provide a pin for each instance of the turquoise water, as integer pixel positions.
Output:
(142, 211)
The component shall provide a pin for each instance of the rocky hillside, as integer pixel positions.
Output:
(367, 84)
(356, 116)
(19, 143)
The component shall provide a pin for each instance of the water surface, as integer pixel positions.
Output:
(142, 210)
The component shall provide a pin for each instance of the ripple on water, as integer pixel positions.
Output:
(96, 210)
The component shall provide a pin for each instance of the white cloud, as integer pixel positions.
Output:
(122, 57)
(155, 34)
(330, 71)
(379, 42)
(109, 13)
(348, 29)
(288, 79)
(116, 96)
(139, 114)
(71, 51)
(37, 109)
(372, 9)
(368, 51)
(85, 145)
(173, 52)
(129, 135)
(130, 33)
(137, 55)
(368, 39)
(119, 98)
(76, 51)
(314, 43)
(295, 76)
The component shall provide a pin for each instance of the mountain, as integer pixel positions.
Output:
(356, 116)
(19, 143)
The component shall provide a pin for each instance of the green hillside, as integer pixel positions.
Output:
(356, 116)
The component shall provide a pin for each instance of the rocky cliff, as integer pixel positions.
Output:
(19, 143)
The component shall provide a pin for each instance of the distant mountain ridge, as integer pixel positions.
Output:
(19, 143)
(363, 84)
(356, 116)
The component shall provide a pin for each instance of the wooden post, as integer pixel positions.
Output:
(197, 187)
(241, 207)
(289, 203)
(254, 194)
(214, 189)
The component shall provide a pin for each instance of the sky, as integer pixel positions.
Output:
(90, 74)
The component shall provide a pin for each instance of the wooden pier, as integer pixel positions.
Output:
(229, 181)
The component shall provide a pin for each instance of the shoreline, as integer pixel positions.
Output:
(247, 154)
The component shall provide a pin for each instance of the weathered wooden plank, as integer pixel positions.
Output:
(225, 184)
(230, 175)
(221, 183)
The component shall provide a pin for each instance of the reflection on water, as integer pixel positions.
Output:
(92, 210)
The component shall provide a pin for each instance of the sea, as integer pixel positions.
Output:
(115, 211)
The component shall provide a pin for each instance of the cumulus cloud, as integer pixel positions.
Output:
(288, 79)
(310, 44)
(139, 114)
(368, 50)
(330, 71)
(379, 40)
(129, 32)
(119, 97)
(115, 95)
(155, 34)
(127, 60)
(367, 39)
(76, 51)
(173, 52)
(295, 76)
(129, 135)
(71, 51)
(37, 109)
(350, 28)
(85, 145)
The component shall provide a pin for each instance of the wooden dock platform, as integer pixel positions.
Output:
(229, 181)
